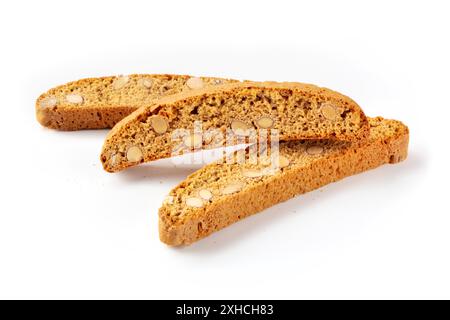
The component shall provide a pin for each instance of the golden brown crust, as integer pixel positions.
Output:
(103, 103)
(180, 225)
(296, 113)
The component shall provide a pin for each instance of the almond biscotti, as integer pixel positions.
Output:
(223, 193)
(293, 110)
(98, 103)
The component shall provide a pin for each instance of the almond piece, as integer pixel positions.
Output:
(205, 194)
(193, 141)
(74, 98)
(113, 159)
(268, 171)
(147, 83)
(314, 150)
(48, 102)
(252, 173)
(265, 160)
(329, 111)
(159, 124)
(240, 128)
(169, 200)
(120, 82)
(195, 83)
(134, 154)
(283, 161)
(232, 188)
(265, 122)
(194, 202)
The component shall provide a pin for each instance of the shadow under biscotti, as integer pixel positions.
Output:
(391, 177)
(172, 170)
(162, 170)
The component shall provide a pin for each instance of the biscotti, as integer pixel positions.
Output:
(293, 110)
(98, 103)
(223, 193)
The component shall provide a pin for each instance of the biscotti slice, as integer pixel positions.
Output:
(235, 110)
(98, 103)
(223, 193)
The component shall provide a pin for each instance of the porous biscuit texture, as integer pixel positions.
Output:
(237, 190)
(99, 103)
(294, 110)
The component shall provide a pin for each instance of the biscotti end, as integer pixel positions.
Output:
(240, 190)
(99, 103)
(56, 115)
(397, 135)
(236, 110)
(176, 236)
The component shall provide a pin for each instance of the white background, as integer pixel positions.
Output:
(70, 230)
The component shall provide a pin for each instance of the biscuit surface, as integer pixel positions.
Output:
(223, 193)
(234, 110)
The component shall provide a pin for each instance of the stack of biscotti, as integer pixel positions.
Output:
(325, 137)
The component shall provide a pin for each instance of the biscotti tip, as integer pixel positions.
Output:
(99, 103)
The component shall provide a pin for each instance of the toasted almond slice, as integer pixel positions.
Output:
(195, 83)
(147, 83)
(232, 188)
(194, 202)
(265, 122)
(283, 161)
(48, 102)
(134, 154)
(193, 141)
(205, 194)
(74, 98)
(218, 81)
(240, 128)
(265, 160)
(169, 200)
(269, 171)
(329, 111)
(314, 150)
(121, 82)
(159, 124)
(252, 173)
(113, 159)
